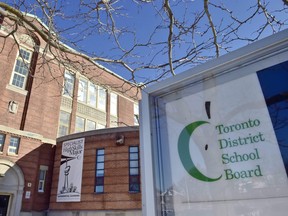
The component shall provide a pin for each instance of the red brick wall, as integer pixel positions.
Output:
(126, 112)
(44, 104)
(32, 153)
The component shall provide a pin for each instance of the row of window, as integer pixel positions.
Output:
(81, 124)
(13, 144)
(134, 170)
(88, 92)
(91, 94)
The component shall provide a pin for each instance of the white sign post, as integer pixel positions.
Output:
(217, 145)
(70, 174)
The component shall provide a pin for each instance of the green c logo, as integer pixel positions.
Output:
(184, 153)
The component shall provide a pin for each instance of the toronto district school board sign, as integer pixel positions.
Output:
(223, 144)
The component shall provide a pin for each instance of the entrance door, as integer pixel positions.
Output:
(4, 202)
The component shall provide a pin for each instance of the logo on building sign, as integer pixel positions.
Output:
(184, 152)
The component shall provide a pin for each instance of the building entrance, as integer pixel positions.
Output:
(4, 202)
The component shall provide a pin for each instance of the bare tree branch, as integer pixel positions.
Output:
(206, 3)
(178, 34)
(170, 34)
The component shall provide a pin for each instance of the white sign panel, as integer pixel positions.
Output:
(70, 174)
(222, 146)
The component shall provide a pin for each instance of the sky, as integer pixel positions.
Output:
(142, 20)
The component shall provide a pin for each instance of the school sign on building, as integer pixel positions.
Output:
(219, 136)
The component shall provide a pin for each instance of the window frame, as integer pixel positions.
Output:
(95, 94)
(99, 180)
(100, 126)
(99, 94)
(113, 104)
(83, 90)
(136, 114)
(68, 86)
(63, 125)
(133, 177)
(2, 141)
(42, 182)
(77, 128)
(23, 64)
(16, 148)
(87, 123)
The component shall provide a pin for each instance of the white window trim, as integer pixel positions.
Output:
(13, 147)
(43, 181)
(59, 123)
(98, 98)
(16, 89)
(136, 113)
(86, 126)
(86, 119)
(73, 88)
(2, 144)
(87, 101)
(113, 106)
(82, 129)
(14, 67)
(86, 90)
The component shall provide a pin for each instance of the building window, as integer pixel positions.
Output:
(64, 123)
(113, 104)
(2, 141)
(42, 177)
(90, 125)
(68, 87)
(79, 124)
(82, 90)
(100, 126)
(14, 145)
(134, 174)
(91, 94)
(99, 178)
(83, 124)
(101, 98)
(136, 114)
(21, 68)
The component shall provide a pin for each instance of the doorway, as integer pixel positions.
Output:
(4, 204)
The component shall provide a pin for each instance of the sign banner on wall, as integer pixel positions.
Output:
(70, 173)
